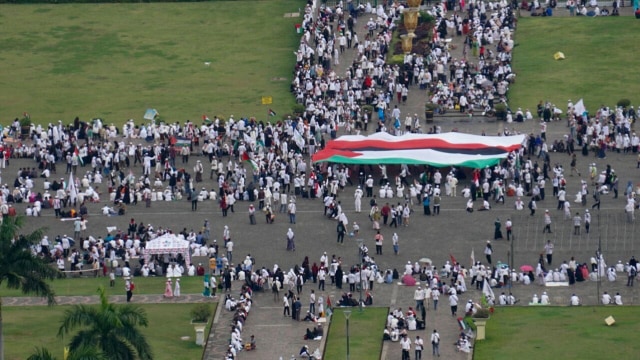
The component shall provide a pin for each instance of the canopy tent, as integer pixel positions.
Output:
(439, 150)
(167, 244)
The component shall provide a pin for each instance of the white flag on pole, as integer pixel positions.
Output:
(71, 189)
(297, 137)
(579, 108)
(487, 291)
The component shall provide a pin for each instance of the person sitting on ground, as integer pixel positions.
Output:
(106, 210)
(313, 334)
(485, 206)
(304, 352)
(310, 317)
(251, 345)
(463, 344)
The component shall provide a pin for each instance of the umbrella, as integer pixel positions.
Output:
(425, 260)
(526, 268)
(487, 83)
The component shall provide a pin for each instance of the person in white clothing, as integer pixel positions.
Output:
(617, 299)
(358, 199)
(575, 300)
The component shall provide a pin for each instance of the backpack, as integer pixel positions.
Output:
(132, 286)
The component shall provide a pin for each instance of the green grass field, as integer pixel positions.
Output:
(167, 324)
(88, 286)
(560, 332)
(116, 60)
(365, 334)
(600, 64)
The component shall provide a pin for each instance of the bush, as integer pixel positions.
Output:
(26, 120)
(482, 313)
(396, 59)
(368, 109)
(501, 111)
(297, 109)
(200, 313)
(624, 103)
(430, 106)
(425, 18)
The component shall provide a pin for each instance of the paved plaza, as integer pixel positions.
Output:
(453, 233)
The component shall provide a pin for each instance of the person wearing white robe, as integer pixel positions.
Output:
(170, 271)
(544, 299)
(617, 299)
(611, 274)
(176, 290)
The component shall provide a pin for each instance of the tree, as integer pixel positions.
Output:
(84, 353)
(20, 268)
(111, 328)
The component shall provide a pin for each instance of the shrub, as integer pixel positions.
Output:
(425, 18)
(624, 103)
(482, 313)
(367, 109)
(396, 59)
(430, 106)
(297, 109)
(200, 313)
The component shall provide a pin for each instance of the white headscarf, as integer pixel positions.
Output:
(290, 234)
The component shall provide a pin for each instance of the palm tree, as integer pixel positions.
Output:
(85, 353)
(20, 268)
(113, 329)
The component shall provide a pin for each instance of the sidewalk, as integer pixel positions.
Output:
(94, 299)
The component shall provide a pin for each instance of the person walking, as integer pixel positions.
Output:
(341, 230)
(548, 249)
(287, 306)
(435, 343)
(291, 245)
(419, 344)
(596, 198)
(322, 276)
(419, 296)
(379, 239)
(128, 287)
(435, 296)
(587, 220)
(497, 233)
(574, 169)
(194, 200)
(312, 302)
(252, 214)
(508, 225)
(547, 222)
(631, 274)
(299, 283)
(292, 211)
(577, 224)
(395, 243)
(453, 303)
(405, 342)
(297, 307)
(275, 289)
(358, 199)
(488, 251)
(176, 290)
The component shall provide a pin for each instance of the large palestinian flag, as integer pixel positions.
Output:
(439, 150)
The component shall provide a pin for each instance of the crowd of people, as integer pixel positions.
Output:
(266, 164)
